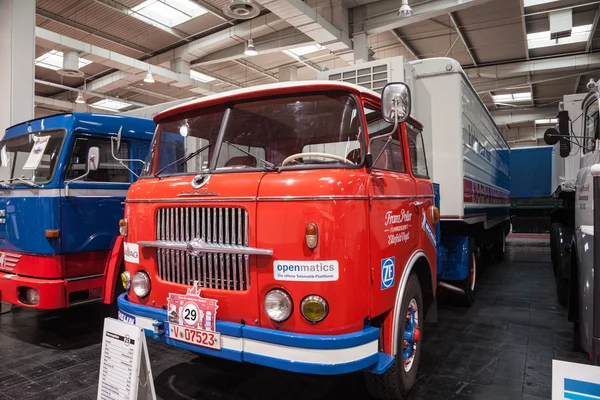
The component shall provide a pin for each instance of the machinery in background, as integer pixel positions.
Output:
(297, 225)
(61, 197)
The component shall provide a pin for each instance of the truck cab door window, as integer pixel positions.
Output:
(388, 148)
(591, 127)
(416, 151)
(109, 169)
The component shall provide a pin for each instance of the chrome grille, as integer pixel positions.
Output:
(214, 225)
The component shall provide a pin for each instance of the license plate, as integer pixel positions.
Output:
(198, 337)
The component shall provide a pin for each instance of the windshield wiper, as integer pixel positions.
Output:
(270, 166)
(183, 160)
(28, 182)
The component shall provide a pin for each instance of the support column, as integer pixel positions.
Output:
(361, 48)
(17, 55)
(288, 74)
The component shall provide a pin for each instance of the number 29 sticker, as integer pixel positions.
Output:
(190, 314)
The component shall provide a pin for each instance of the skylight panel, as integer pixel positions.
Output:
(301, 51)
(542, 39)
(110, 105)
(201, 77)
(512, 98)
(531, 3)
(169, 12)
(54, 60)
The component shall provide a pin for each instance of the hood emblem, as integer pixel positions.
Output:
(200, 180)
(198, 193)
(8, 261)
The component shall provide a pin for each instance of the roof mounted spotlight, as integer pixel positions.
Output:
(405, 11)
(250, 49)
(80, 99)
(591, 84)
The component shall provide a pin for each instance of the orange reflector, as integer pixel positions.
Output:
(52, 233)
(123, 223)
(435, 215)
(311, 235)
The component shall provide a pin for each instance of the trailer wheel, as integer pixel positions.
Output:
(468, 285)
(398, 380)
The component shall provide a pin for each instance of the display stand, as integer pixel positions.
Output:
(125, 372)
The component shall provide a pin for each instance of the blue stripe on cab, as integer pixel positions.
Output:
(586, 388)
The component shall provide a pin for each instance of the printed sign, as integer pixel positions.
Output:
(575, 381)
(388, 272)
(428, 229)
(193, 311)
(127, 318)
(131, 252)
(37, 152)
(397, 226)
(125, 372)
(306, 271)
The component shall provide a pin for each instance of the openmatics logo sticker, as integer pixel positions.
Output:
(387, 272)
(306, 271)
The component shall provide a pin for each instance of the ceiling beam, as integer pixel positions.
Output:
(275, 42)
(521, 82)
(589, 44)
(258, 69)
(405, 43)
(505, 117)
(461, 34)
(219, 77)
(89, 30)
(382, 16)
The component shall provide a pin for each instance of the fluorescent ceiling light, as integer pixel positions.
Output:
(531, 3)
(200, 76)
(512, 98)
(169, 12)
(301, 51)
(547, 121)
(54, 60)
(542, 39)
(110, 105)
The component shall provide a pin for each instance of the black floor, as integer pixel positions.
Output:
(500, 348)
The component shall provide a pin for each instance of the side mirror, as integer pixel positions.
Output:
(119, 138)
(563, 128)
(396, 102)
(93, 159)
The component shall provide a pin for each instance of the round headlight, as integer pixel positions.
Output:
(278, 305)
(141, 284)
(314, 308)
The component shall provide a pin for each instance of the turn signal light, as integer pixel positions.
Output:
(312, 235)
(123, 227)
(52, 233)
(435, 215)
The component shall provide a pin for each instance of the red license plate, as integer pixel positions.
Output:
(194, 336)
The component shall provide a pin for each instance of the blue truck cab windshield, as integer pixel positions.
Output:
(61, 199)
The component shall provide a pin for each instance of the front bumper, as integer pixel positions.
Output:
(52, 291)
(312, 354)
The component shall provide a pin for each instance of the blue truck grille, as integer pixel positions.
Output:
(215, 225)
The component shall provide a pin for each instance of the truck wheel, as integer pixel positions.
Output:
(398, 380)
(468, 285)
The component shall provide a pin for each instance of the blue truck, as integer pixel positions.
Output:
(62, 186)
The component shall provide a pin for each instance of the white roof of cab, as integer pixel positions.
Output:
(293, 84)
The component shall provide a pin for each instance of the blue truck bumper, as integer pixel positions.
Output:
(312, 354)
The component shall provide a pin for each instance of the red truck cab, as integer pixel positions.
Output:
(283, 225)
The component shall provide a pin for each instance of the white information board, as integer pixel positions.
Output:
(125, 372)
(575, 381)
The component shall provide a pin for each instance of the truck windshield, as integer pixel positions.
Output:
(30, 157)
(310, 131)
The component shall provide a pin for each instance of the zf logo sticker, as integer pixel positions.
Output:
(387, 273)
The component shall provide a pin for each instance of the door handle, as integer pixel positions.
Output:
(418, 203)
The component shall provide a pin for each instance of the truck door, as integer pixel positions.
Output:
(425, 200)
(393, 219)
(91, 212)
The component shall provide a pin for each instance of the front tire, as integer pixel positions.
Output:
(398, 380)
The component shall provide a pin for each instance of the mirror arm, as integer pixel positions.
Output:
(123, 160)
(67, 183)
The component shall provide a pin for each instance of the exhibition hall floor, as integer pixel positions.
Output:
(501, 348)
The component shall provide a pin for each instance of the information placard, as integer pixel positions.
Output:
(125, 372)
(575, 381)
